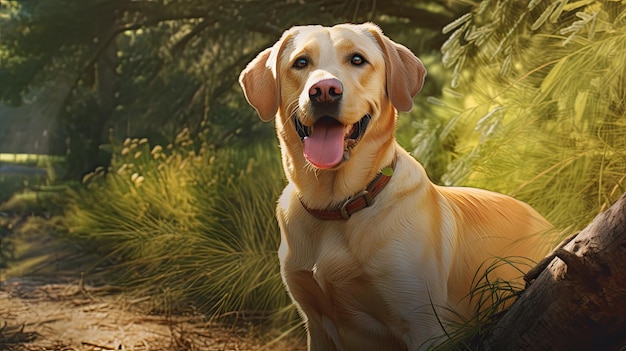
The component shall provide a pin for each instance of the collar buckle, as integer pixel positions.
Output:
(367, 197)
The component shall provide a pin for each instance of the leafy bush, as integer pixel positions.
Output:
(536, 109)
(187, 224)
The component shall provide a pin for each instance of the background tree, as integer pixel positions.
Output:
(150, 68)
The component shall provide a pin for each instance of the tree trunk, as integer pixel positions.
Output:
(578, 302)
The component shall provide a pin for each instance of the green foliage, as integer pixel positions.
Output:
(187, 225)
(538, 110)
(149, 68)
(425, 130)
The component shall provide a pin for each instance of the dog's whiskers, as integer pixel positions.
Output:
(291, 109)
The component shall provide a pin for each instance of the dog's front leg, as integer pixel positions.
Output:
(320, 335)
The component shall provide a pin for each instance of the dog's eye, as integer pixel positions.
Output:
(357, 60)
(301, 62)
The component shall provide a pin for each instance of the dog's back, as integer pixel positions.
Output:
(500, 238)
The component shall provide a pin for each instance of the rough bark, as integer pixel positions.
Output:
(578, 302)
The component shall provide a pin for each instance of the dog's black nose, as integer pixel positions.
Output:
(326, 91)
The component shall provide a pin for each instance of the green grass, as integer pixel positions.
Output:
(491, 297)
(188, 224)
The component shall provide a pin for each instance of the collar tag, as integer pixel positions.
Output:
(387, 171)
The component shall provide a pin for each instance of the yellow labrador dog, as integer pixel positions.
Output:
(372, 252)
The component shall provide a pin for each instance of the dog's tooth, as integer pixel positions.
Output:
(349, 129)
(346, 155)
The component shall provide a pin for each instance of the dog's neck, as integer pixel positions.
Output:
(327, 188)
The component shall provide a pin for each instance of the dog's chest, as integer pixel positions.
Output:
(335, 283)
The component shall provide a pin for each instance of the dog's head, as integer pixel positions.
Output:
(331, 85)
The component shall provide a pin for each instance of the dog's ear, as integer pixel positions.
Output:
(259, 80)
(405, 72)
(260, 86)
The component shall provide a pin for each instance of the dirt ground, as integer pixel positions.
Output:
(44, 305)
(53, 316)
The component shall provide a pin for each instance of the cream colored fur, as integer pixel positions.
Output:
(373, 282)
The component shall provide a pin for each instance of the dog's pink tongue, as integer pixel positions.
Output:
(324, 147)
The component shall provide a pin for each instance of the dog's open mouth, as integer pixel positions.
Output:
(328, 142)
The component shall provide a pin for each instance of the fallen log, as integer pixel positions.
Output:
(578, 302)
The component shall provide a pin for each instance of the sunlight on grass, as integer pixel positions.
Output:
(188, 225)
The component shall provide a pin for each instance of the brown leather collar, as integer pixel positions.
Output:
(358, 201)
